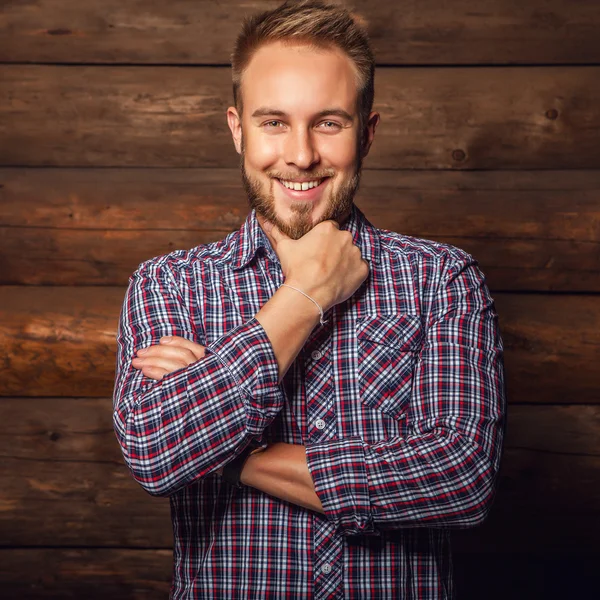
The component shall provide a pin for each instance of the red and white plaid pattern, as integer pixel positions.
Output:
(399, 400)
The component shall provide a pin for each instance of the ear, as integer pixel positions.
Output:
(369, 133)
(235, 125)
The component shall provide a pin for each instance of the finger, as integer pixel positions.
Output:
(170, 352)
(276, 233)
(168, 365)
(154, 373)
(198, 350)
(328, 222)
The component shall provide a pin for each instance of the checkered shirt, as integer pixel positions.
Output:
(399, 400)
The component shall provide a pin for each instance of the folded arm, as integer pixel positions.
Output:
(184, 413)
(443, 472)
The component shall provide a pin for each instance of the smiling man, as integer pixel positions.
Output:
(321, 400)
(300, 154)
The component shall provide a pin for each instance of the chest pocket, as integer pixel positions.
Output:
(388, 347)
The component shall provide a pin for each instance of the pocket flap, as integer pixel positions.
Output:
(402, 331)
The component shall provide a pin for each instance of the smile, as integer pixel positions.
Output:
(300, 185)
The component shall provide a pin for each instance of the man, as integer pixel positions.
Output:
(321, 400)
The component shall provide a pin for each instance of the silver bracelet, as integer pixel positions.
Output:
(322, 318)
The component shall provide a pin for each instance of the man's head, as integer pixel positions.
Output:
(303, 91)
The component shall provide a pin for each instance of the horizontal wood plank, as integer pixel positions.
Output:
(65, 483)
(61, 342)
(77, 573)
(432, 118)
(530, 231)
(424, 32)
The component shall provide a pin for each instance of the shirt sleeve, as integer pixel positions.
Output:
(197, 419)
(443, 472)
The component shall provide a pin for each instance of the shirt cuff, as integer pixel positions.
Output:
(247, 353)
(341, 482)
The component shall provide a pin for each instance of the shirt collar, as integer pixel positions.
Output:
(251, 238)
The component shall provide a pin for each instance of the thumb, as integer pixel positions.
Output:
(274, 232)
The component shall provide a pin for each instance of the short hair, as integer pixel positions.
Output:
(314, 23)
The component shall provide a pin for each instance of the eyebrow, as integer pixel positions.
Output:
(265, 111)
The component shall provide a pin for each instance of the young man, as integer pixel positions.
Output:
(321, 400)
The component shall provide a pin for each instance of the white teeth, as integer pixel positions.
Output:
(295, 185)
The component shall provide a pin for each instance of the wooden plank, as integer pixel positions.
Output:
(78, 502)
(60, 459)
(64, 482)
(77, 573)
(530, 231)
(61, 342)
(432, 118)
(424, 32)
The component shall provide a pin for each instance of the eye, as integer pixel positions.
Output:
(330, 125)
(272, 124)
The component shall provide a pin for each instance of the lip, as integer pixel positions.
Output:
(304, 195)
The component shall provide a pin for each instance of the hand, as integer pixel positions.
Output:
(324, 263)
(170, 354)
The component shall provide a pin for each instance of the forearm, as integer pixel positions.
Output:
(281, 471)
(172, 432)
(438, 479)
(288, 318)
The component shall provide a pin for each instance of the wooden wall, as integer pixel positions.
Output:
(114, 148)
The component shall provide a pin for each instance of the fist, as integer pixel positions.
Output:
(324, 263)
(170, 354)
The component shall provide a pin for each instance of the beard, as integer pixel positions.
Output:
(263, 202)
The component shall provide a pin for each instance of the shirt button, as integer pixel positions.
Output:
(320, 424)
(316, 355)
(326, 569)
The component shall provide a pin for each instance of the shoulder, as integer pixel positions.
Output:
(444, 256)
(180, 265)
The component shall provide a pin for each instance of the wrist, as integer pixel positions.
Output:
(298, 303)
(232, 471)
(310, 298)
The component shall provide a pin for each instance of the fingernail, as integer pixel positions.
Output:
(166, 339)
(142, 351)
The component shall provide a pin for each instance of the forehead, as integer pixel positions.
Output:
(299, 79)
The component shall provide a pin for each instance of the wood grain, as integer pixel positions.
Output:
(61, 342)
(530, 231)
(59, 457)
(424, 32)
(432, 118)
(78, 573)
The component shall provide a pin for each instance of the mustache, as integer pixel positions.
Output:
(322, 174)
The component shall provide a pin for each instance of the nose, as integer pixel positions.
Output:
(300, 150)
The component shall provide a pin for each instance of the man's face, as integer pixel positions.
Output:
(299, 129)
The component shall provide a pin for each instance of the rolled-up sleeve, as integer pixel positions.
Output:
(442, 472)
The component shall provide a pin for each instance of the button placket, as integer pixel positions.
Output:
(320, 412)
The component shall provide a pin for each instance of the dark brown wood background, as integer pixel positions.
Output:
(114, 148)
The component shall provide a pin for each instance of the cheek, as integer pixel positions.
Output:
(260, 153)
(339, 152)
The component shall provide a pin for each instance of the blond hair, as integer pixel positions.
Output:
(314, 23)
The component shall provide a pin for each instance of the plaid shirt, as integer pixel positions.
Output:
(399, 400)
